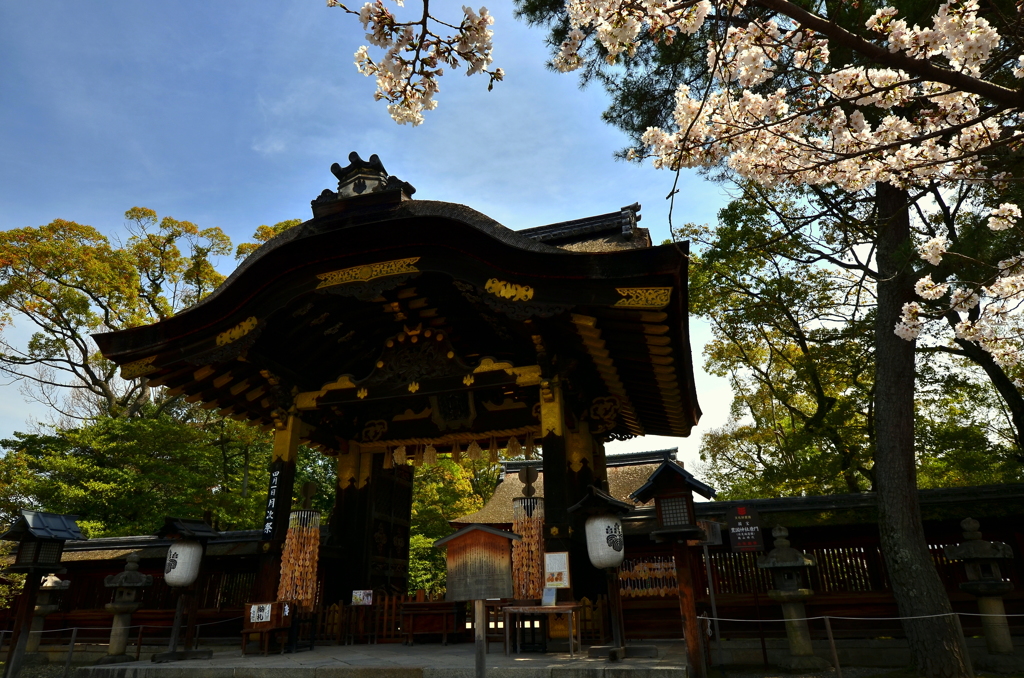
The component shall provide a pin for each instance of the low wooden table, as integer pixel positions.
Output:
(434, 617)
(513, 611)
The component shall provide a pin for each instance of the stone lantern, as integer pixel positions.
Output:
(788, 567)
(46, 604)
(127, 585)
(985, 581)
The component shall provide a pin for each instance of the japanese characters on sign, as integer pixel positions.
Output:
(556, 570)
(745, 529)
(260, 613)
(272, 499)
(362, 597)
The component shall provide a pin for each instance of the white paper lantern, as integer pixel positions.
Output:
(604, 541)
(182, 566)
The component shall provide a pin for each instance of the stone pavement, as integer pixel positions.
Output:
(399, 661)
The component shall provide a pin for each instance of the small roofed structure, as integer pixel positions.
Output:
(479, 563)
(186, 528)
(41, 536)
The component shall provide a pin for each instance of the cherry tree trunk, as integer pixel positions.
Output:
(935, 642)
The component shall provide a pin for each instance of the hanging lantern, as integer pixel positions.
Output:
(182, 566)
(604, 540)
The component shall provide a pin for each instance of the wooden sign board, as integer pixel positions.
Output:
(556, 570)
(260, 616)
(745, 530)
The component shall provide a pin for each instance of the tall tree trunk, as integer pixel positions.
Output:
(934, 642)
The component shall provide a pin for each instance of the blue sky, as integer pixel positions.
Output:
(230, 114)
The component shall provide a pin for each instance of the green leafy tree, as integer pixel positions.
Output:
(68, 280)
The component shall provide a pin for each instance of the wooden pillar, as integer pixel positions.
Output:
(553, 430)
(587, 580)
(688, 607)
(349, 526)
(279, 506)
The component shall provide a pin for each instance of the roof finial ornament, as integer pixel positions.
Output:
(360, 178)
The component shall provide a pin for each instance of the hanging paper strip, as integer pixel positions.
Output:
(473, 451)
(528, 449)
(492, 452)
(456, 453)
(400, 457)
(389, 458)
(514, 448)
(429, 455)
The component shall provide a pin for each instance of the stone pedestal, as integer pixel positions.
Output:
(46, 604)
(127, 585)
(985, 581)
(787, 566)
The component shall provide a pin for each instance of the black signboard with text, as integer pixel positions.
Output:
(745, 530)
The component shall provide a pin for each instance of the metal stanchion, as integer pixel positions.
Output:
(71, 651)
(832, 645)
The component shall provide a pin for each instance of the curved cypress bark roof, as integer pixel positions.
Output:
(388, 320)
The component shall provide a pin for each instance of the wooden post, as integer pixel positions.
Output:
(20, 639)
(556, 506)
(688, 608)
(480, 634)
(282, 462)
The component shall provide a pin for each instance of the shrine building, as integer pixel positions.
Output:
(388, 331)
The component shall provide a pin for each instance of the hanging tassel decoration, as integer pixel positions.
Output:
(473, 451)
(492, 452)
(528, 450)
(429, 455)
(514, 449)
(389, 458)
(417, 456)
(400, 457)
(456, 453)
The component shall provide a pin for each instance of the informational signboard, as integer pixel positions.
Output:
(272, 499)
(712, 532)
(745, 530)
(362, 597)
(260, 613)
(549, 596)
(556, 570)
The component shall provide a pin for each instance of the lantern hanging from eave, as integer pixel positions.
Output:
(183, 559)
(603, 527)
(604, 540)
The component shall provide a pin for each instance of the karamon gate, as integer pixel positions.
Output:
(386, 331)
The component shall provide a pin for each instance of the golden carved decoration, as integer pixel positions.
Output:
(552, 418)
(491, 365)
(138, 368)
(367, 272)
(579, 448)
(374, 430)
(409, 415)
(528, 375)
(361, 393)
(507, 290)
(237, 332)
(644, 297)
(468, 380)
(506, 404)
(414, 386)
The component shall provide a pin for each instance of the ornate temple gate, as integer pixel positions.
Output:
(387, 328)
